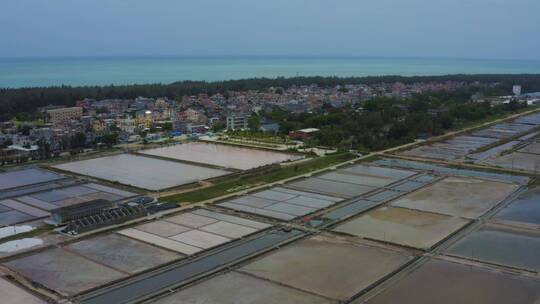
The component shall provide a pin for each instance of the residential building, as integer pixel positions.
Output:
(64, 115)
(303, 134)
(237, 121)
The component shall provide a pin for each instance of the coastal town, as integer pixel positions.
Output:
(201, 221)
(95, 124)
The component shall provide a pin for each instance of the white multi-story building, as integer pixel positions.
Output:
(235, 122)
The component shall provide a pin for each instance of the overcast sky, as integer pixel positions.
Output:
(505, 29)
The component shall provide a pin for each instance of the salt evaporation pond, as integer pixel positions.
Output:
(17, 245)
(13, 230)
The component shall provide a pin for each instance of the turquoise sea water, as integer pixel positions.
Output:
(26, 72)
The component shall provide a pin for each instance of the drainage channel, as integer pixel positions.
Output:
(143, 288)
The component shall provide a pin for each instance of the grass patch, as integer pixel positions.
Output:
(265, 176)
(249, 143)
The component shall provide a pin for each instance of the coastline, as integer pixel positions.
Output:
(102, 71)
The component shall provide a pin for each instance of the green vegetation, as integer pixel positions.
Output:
(254, 123)
(6, 143)
(219, 126)
(249, 143)
(490, 118)
(23, 102)
(386, 122)
(258, 136)
(255, 138)
(268, 175)
(109, 139)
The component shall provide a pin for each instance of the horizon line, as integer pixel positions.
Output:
(215, 56)
(268, 78)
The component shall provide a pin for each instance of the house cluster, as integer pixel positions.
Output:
(91, 123)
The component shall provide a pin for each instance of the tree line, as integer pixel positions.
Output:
(23, 102)
(386, 122)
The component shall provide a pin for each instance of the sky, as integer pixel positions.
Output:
(490, 29)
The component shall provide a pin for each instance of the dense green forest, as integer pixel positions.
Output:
(386, 122)
(25, 100)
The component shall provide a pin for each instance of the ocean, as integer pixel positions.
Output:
(32, 72)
